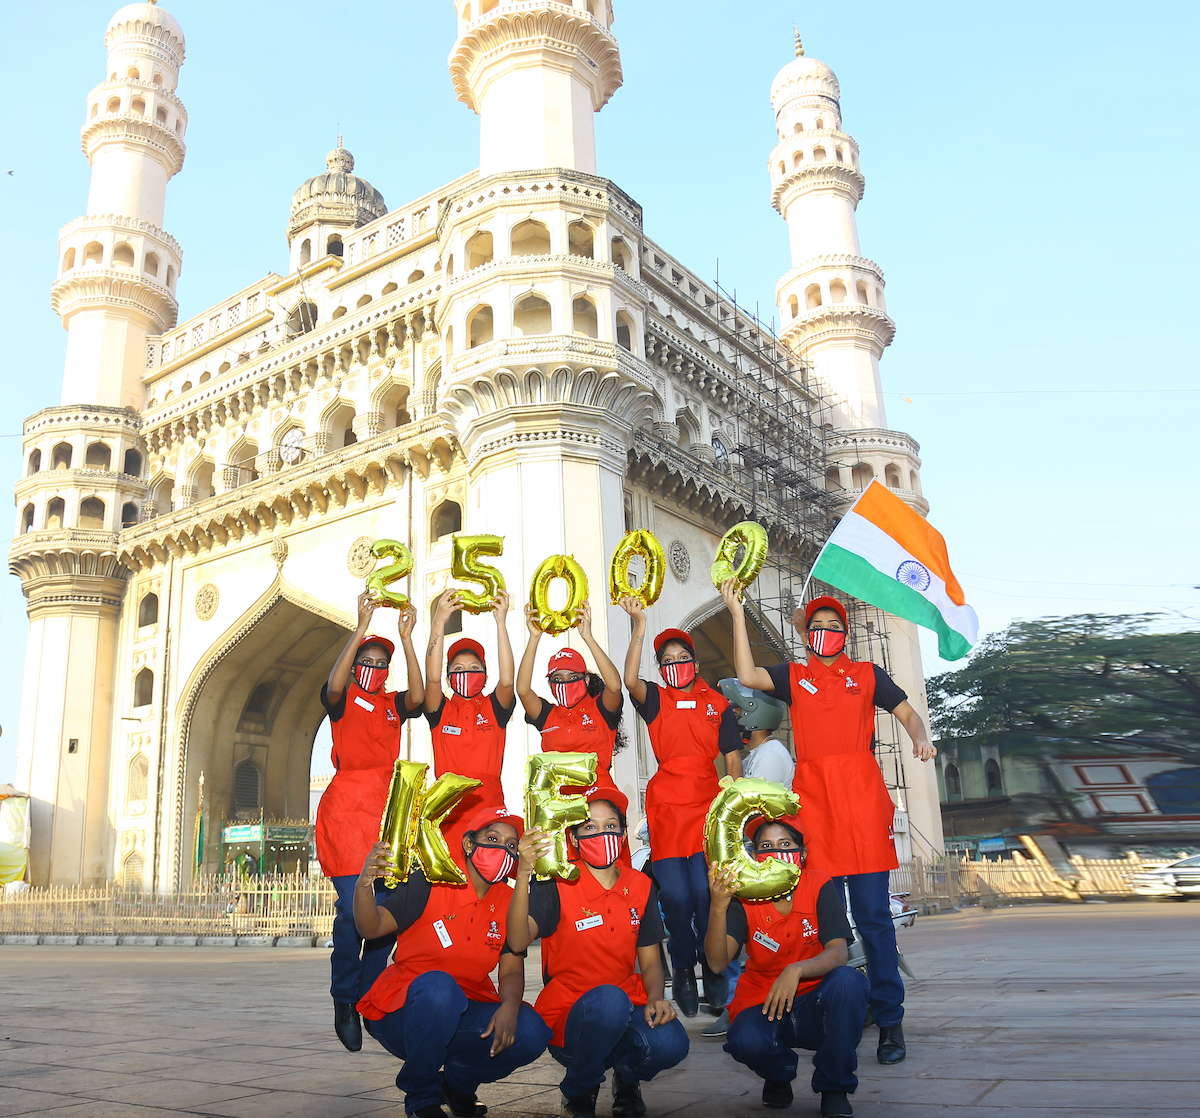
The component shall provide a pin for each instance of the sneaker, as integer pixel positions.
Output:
(627, 1098)
(777, 1095)
(719, 1027)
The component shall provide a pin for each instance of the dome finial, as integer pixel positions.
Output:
(799, 44)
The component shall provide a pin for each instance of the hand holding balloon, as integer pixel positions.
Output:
(753, 538)
(465, 564)
(725, 826)
(400, 567)
(546, 809)
(556, 621)
(643, 543)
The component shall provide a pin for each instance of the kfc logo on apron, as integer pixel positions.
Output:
(480, 719)
(391, 715)
(635, 921)
(587, 719)
(809, 930)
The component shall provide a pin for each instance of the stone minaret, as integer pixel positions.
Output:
(84, 460)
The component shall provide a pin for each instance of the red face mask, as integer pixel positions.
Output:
(568, 694)
(600, 851)
(679, 674)
(826, 642)
(792, 856)
(368, 678)
(467, 684)
(493, 863)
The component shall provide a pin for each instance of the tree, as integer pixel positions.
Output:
(1083, 684)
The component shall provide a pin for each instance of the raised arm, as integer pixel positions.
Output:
(505, 664)
(607, 669)
(530, 701)
(416, 685)
(743, 659)
(446, 604)
(633, 656)
(339, 676)
(923, 749)
(522, 928)
(720, 948)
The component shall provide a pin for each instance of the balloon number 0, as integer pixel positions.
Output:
(753, 538)
(737, 803)
(400, 567)
(550, 811)
(465, 564)
(643, 543)
(556, 621)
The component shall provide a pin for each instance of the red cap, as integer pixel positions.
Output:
(673, 635)
(566, 659)
(487, 815)
(758, 821)
(383, 642)
(826, 602)
(609, 793)
(465, 644)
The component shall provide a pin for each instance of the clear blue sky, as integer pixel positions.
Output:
(1031, 175)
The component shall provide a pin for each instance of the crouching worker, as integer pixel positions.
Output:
(796, 991)
(435, 1007)
(594, 931)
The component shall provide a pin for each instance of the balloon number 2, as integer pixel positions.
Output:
(465, 564)
(379, 581)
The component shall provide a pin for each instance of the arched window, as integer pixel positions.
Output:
(625, 331)
(133, 463)
(363, 300)
(820, 125)
(123, 255)
(333, 246)
(27, 518)
(259, 710)
(417, 274)
(388, 288)
(833, 478)
(486, 6)
(160, 115)
(68, 260)
(480, 326)
(581, 241)
(793, 306)
(798, 129)
(914, 482)
(306, 251)
(532, 315)
(91, 513)
(114, 104)
(93, 253)
(151, 264)
(35, 463)
(447, 519)
(891, 476)
(797, 159)
(133, 873)
(953, 781)
(148, 610)
(129, 514)
(158, 79)
(839, 156)
(479, 249)
(584, 319)
(133, 73)
(338, 312)
(138, 106)
(143, 688)
(246, 789)
(837, 291)
(171, 276)
(861, 475)
(56, 509)
(818, 153)
(97, 457)
(812, 296)
(620, 254)
(991, 773)
(202, 479)
(530, 238)
(863, 296)
(137, 783)
(302, 319)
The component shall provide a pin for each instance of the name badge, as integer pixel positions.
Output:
(765, 940)
(453, 731)
(590, 922)
(686, 704)
(363, 703)
(808, 686)
(439, 926)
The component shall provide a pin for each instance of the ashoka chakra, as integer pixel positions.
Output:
(913, 574)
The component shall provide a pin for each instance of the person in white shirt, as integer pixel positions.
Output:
(759, 716)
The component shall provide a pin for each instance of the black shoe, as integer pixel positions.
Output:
(579, 1106)
(684, 991)
(836, 1104)
(716, 989)
(777, 1095)
(348, 1025)
(891, 1044)
(461, 1106)
(627, 1098)
(719, 1027)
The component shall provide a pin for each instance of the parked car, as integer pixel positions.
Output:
(1174, 881)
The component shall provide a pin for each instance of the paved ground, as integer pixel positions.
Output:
(1048, 1011)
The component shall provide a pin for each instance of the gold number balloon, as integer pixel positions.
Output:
(412, 823)
(547, 809)
(400, 567)
(637, 542)
(725, 827)
(751, 536)
(465, 564)
(555, 621)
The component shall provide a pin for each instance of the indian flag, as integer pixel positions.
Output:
(885, 554)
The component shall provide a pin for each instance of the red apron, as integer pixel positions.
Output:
(685, 738)
(595, 944)
(776, 941)
(845, 808)
(581, 729)
(468, 741)
(458, 933)
(366, 743)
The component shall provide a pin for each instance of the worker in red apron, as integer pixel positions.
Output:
(847, 810)
(469, 727)
(690, 726)
(365, 721)
(796, 990)
(585, 716)
(435, 1007)
(597, 933)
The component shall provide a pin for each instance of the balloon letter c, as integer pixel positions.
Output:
(725, 826)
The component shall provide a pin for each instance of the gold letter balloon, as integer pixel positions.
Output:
(643, 543)
(748, 535)
(412, 823)
(550, 811)
(556, 621)
(400, 567)
(725, 827)
(465, 564)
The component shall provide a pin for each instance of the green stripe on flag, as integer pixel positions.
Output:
(857, 577)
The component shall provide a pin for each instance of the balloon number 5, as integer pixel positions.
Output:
(550, 811)
(752, 539)
(465, 564)
(549, 619)
(400, 567)
(637, 542)
(736, 803)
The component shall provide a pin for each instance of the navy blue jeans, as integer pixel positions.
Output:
(437, 1027)
(355, 963)
(606, 1030)
(828, 1020)
(870, 903)
(683, 897)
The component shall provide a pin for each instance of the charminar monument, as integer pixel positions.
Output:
(510, 353)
